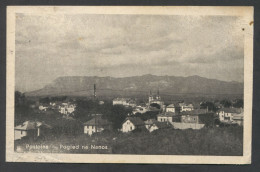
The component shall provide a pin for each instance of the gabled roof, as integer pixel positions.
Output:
(231, 110)
(161, 124)
(150, 121)
(186, 105)
(157, 123)
(171, 106)
(135, 120)
(167, 114)
(98, 121)
(121, 99)
(31, 125)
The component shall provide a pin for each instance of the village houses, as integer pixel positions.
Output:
(67, 108)
(195, 119)
(152, 125)
(231, 115)
(124, 101)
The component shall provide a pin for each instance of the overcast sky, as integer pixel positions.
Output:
(126, 45)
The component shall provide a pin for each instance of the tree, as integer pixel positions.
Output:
(155, 105)
(239, 103)
(45, 100)
(226, 103)
(19, 98)
(208, 105)
(117, 115)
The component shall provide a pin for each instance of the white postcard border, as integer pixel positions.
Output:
(245, 12)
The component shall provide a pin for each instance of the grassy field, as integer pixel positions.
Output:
(207, 141)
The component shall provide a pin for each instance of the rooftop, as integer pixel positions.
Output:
(231, 110)
(135, 120)
(195, 112)
(97, 121)
(31, 125)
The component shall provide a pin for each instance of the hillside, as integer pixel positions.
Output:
(140, 85)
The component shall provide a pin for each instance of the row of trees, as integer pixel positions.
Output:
(239, 103)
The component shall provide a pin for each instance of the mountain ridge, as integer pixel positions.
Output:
(69, 85)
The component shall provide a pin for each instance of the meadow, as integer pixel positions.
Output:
(225, 141)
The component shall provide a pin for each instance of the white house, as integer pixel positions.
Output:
(166, 117)
(132, 123)
(125, 102)
(30, 129)
(170, 108)
(96, 125)
(186, 107)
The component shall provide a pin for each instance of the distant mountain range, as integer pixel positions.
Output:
(84, 86)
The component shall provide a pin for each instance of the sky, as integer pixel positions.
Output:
(57, 45)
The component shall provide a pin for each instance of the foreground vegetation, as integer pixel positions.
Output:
(207, 141)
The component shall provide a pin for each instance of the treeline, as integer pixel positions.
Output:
(87, 108)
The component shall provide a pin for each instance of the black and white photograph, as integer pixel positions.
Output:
(129, 84)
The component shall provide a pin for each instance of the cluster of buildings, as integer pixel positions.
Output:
(64, 108)
(231, 116)
(127, 102)
(32, 129)
(176, 115)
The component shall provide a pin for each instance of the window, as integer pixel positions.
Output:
(21, 132)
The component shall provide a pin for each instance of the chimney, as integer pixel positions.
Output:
(95, 91)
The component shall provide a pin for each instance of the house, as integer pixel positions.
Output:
(231, 115)
(30, 129)
(132, 123)
(170, 108)
(97, 125)
(140, 109)
(67, 108)
(184, 126)
(198, 116)
(153, 124)
(238, 119)
(186, 107)
(168, 117)
(43, 108)
(124, 101)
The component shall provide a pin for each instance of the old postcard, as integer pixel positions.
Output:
(129, 84)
